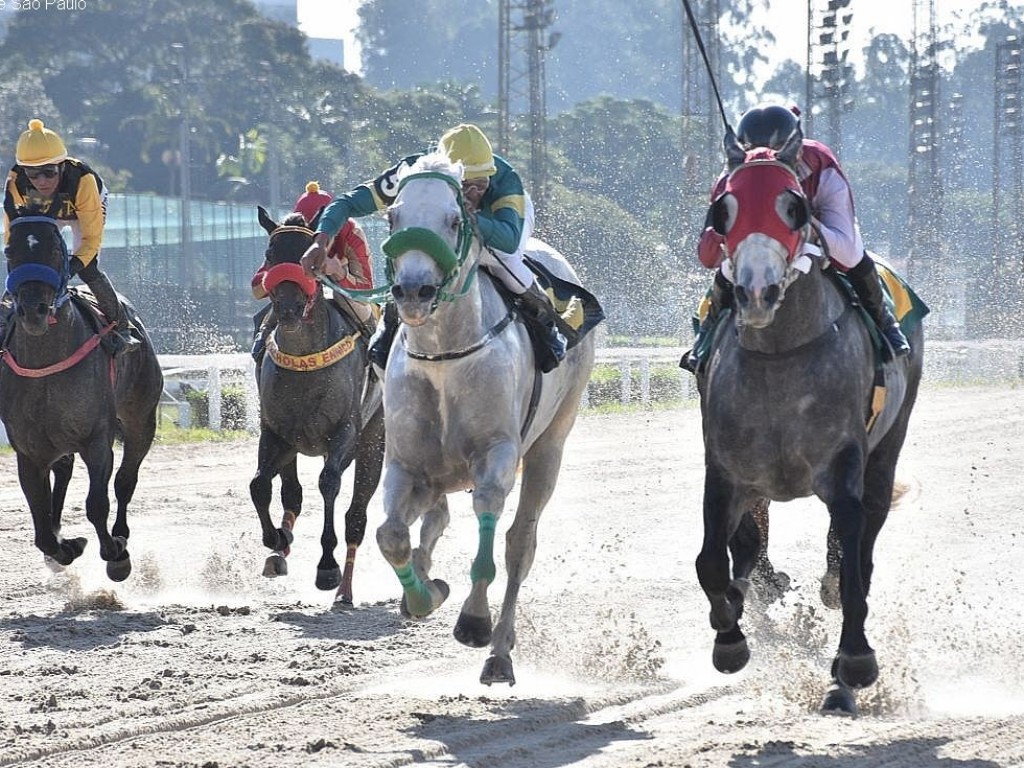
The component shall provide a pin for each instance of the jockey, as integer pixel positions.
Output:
(347, 262)
(833, 224)
(46, 182)
(503, 218)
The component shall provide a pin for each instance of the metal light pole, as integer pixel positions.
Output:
(184, 171)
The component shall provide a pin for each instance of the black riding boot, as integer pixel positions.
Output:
(866, 282)
(721, 298)
(120, 339)
(267, 320)
(539, 313)
(380, 344)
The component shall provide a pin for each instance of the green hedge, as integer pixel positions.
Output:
(232, 407)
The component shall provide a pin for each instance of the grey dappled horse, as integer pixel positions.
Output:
(464, 403)
(61, 393)
(785, 402)
(317, 398)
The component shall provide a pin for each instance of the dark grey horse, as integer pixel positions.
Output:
(318, 397)
(61, 394)
(464, 405)
(785, 401)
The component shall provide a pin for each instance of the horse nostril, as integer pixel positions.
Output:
(742, 297)
(397, 292)
(771, 295)
(427, 292)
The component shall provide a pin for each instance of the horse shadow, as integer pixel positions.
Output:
(65, 630)
(924, 751)
(472, 746)
(373, 622)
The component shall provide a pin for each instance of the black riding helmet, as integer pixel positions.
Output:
(768, 125)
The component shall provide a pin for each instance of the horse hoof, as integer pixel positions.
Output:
(328, 578)
(858, 671)
(343, 604)
(70, 549)
(839, 700)
(121, 569)
(443, 589)
(830, 591)
(498, 670)
(730, 657)
(275, 565)
(474, 631)
(52, 564)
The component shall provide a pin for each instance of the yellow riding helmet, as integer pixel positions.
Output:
(467, 144)
(39, 146)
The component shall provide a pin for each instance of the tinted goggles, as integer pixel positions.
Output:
(42, 171)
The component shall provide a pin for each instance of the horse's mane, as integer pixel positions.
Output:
(436, 161)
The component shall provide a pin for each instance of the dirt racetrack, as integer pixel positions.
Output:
(197, 660)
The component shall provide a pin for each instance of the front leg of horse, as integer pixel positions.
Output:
(113, 549)
(328, 574)
(277, 540)
(403, 501)
(494, 476)
(855, 664)
(35, 484)
(726, 596)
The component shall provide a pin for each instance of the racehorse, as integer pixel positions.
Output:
(318, 397)
(464, 404)
(60, 395)
(786, 403)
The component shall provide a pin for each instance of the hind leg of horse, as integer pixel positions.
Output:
(99, 458)
(405, 502)
(724, 508)
(494, 474)
(35, 484)
(368, 465)
(770, 584)
(138, 439)
(274, 456)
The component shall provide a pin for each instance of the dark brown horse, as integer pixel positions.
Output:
(318, 397)
(785, 400)
(61, 394)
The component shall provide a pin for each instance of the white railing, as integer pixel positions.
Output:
(951, 362)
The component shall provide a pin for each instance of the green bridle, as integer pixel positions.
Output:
(431, 243)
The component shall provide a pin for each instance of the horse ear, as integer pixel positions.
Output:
(791, 149)
(734, 152)
(722, 213)
(264, 218)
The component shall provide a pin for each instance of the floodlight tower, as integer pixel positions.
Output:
(829, 73)
(925, 261)
(1004, 274)
(523, 41)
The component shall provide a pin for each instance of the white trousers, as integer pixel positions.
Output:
(510, 267)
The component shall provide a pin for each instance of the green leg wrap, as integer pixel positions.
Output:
(483, 565)
(417, 597)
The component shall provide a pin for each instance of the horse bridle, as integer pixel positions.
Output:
(26, 273)
(431, 243)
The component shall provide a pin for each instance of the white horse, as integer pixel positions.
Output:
(464, 404)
